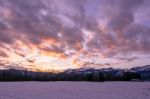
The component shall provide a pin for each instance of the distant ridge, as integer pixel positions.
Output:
(81, 74)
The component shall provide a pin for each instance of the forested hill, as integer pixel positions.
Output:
(81, 74)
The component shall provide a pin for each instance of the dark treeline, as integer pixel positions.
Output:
(93, 75)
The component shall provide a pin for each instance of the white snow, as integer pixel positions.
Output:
(74, 90)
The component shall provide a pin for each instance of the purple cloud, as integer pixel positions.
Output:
(77, 28)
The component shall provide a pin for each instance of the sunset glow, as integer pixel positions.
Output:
(62, 34)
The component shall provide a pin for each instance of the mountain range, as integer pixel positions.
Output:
(81, 74)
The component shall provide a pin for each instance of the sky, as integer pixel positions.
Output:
(62, 34)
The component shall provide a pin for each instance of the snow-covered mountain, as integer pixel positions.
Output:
(143, 68)
(143, 71)
(110, 69)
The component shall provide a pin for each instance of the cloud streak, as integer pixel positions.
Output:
(79, 30)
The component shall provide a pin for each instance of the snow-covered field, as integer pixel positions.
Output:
(74, 90)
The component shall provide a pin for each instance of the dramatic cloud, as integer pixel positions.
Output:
(3, 54)
(74, 32)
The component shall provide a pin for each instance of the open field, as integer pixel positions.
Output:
(74, 90)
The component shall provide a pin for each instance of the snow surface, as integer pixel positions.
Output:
(74, 90)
